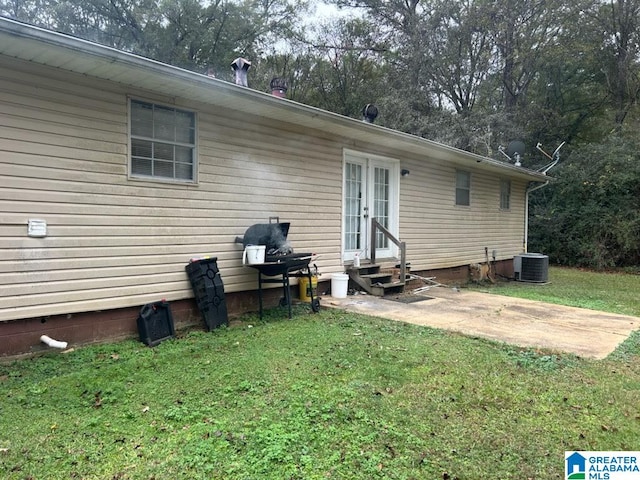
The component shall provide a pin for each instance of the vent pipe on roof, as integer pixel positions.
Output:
(369, 113)
(279, 87)
(241, 66)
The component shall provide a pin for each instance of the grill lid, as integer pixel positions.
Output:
(272, 235)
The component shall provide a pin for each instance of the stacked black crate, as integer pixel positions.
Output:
(208, 290)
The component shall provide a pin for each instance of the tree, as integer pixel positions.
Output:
(346, 68)
(590, 214)
(620, 24)
(30, 11)
(192, 34)
(457, 38)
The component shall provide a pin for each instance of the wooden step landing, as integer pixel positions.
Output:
(372, 280)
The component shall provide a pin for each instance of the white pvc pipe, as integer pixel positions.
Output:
(52, 343)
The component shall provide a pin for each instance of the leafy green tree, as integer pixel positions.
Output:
(346, 73)
(117, 23)
(31, 11)
(457, 39)
(193, 34)
(522, 31)
(620, 54)
(591, 214)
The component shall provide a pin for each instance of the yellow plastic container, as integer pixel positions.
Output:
(305, 291)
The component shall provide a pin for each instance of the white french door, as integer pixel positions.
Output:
(370, 191)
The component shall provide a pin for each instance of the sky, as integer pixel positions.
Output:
(326, 10)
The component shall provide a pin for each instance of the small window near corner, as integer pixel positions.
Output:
(505, 194)
(163, 142)
(463, 188)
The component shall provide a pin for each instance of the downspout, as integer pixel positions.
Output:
(526, 213)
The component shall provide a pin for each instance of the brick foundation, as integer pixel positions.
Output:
(22, 337)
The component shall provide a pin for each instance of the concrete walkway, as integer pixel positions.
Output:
(526, 323)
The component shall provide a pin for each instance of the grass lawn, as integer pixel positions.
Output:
(328, 395)
(607, 292)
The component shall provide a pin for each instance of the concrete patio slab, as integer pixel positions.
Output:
(526, 323)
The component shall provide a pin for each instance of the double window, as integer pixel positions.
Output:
(163, 142)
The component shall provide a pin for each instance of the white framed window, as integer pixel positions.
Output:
(505, 194)
(163, 142)
(463, 188)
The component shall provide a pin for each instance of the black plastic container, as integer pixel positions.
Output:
(208, 290)
(155, 323)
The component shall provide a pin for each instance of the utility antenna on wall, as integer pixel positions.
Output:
(514, 151)
(554, 157)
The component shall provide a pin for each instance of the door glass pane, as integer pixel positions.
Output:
(353, 206)
(381, 203)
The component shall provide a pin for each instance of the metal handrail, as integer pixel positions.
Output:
(375, 227)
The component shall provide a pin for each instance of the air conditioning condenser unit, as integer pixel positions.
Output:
(531, 267)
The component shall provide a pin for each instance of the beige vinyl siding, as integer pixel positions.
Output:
(441, 234)
(114, 242)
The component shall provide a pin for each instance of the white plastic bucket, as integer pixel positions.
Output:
(253, 254)
(339, 285)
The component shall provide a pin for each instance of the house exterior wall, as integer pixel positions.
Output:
(115, 242)
(440, 234)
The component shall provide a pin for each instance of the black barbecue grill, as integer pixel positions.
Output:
(280, 261)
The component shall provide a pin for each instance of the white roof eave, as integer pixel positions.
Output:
(34, 44)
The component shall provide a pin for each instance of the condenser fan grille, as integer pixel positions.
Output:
(532, 267)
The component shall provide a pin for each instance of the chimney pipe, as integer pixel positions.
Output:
(369, 112)
(279, 87)
(241, 66)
